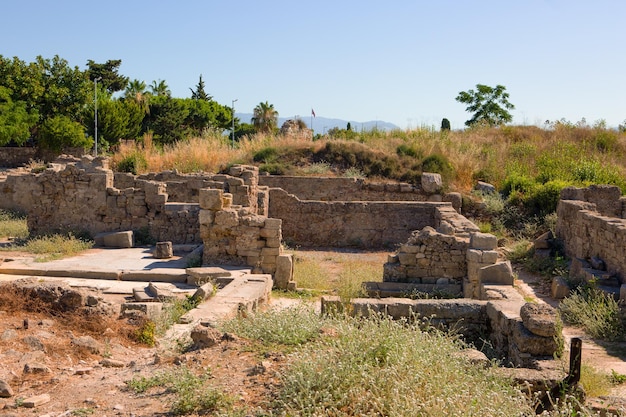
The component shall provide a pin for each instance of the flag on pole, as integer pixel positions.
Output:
(313, 112)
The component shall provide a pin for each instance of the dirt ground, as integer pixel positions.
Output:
(39, 357)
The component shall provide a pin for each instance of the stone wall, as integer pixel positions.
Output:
(520, 336)
(363, 224)
(13, 157)
(354, 189)
(86, 196)
(235, 235)
(591, 224)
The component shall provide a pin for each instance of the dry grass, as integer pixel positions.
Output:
(552, 152)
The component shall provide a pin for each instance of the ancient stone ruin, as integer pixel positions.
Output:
(242, 218)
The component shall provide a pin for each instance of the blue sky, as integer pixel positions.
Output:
(399, 61)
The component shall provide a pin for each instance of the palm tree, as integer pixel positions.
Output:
(265, 118)
(160, 88)
(137, 91)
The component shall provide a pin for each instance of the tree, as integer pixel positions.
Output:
(265, 118)
(58, 132)
(108, 75)
(137, 92)
(488, 104)
(15, 120)
(199, 93)
(160, 89)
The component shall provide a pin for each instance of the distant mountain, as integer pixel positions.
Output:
(323, 124)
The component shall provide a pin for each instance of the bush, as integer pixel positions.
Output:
(437, 163)
(266, 155)
(59, 132)
(597, 312)
(133, 163)
(409, 150)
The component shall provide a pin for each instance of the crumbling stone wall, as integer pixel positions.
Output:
(365, 224)
(354, 189)
(428, 257)
(521, 335)
(13, 157)
(591, 223)
(85, 195)
(236, 235)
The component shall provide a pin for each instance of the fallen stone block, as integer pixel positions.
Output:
(150, 310)
(115, 239)
(560, 288)
(539, 319)
(500, 273)
(163, 250)
(160, 293)
(36, 401)
(202, 275)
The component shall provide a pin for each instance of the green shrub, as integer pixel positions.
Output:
(273, 168)
(543, 198)
(294, 326)
(597, 312)
(13, 224)
(437, 163)
(377, 366)
(266, 155)
(409, 150)
(133, 163)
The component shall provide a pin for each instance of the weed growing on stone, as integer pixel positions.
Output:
(290, 327)
(597, 312)
(382, 367)
(191, 393)
(596, 384)
(55, 246)
(13, 224)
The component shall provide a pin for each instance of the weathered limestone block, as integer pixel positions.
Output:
(115, 239)
(431, 182)
(164, 250)
(206, 217)
(210, 199)
(5, 389)
(284, 271)
(539, 319)
(202, 275)
(560, 288)
(227, 218)
(528, 342)
(483, 241)
(485, 187)
(500, 273)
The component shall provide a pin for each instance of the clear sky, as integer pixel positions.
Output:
(401, 61)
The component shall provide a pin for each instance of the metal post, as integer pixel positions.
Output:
(233, 129)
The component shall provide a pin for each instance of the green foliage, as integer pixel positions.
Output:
(146, 333)
(59, 132)
(273, 168)
(266, 155)
(13, 224)
(54, 246)
(438, 163)
(192, 393)
(597, 312)
(265, 118)
(392, 368)
(133, 163)
(16, 121)
(411, 150)
(489, 105)
(199, 93)
(108, 74)
(291, 327)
